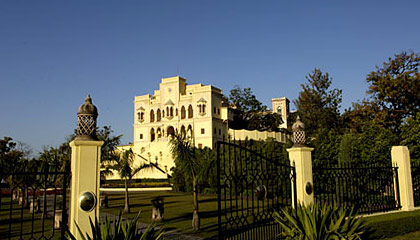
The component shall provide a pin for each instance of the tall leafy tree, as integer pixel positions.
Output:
(250, 113)
(245, 100)
(10, 157)
(109, 155)
(184, 154)
(394, 88)
(317, 104)
(411, 137)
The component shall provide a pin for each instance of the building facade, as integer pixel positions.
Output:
(195, 110)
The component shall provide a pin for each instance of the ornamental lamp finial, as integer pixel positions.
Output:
(86, 124)
(298, 129)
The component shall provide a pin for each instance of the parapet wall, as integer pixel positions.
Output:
(256, 135)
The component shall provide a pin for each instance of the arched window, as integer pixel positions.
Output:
(279, 110)
(183, 133)
(152, 115)
(171, 111)
(152, 134)
(140, 116)
(202, 108)
(182, 112)
(163, 113)
(158, 117)
(190, 112)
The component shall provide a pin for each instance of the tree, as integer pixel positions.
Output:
(184, 154)
(394, 88)
(12, 160)
(109, 155)
(250, 113)
(371, 146)
(411, 137)
(317, 104)
(245, 100)
(126, 169)
(360, 114)
(10, 157)
(326, 146)
(264, 121)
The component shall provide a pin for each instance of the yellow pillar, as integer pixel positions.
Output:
(301, 158)
(401, 157)
(85, 164)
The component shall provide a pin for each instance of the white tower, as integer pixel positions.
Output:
(281, 106)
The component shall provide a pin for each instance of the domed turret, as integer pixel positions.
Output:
(87, 114)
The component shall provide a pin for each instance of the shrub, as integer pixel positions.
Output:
(120, 229)
(321, 222)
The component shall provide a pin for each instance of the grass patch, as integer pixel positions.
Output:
(178, 210)
(394, 224)
(178, 214)
(22, 222)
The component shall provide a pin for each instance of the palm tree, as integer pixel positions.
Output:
(126, 169)
(183, 152)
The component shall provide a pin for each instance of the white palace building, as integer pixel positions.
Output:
(196, 110)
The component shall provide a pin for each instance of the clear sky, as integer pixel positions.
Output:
(53, 53)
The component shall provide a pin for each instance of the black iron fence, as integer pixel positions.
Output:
(368, 189)
(254, 181)
(33, 205)
(415, 174)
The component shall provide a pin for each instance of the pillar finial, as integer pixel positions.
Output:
(86, 124)
(298, 129)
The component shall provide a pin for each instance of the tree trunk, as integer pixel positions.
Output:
(196, 218)
(127, 205)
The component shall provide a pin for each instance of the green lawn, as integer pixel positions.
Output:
(394, 224)
(178, 210)
(24, 223)
(178, 214)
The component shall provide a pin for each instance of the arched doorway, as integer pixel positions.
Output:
(170, 131)
(159, 133)
(152, 135)
(183, 132)
(189, 131)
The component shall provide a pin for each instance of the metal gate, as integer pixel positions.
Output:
(369, 189)
(254, 180)
(33, 205)
(415, 174)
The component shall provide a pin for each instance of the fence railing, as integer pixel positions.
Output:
(368, 189)
(33, 205)
(253, 182)
(415, 174)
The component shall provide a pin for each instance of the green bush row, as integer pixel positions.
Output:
(137, 185)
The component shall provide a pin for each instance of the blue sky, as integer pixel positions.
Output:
(53, 53)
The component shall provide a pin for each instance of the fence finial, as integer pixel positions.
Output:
(86, 125)
(298, 129)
